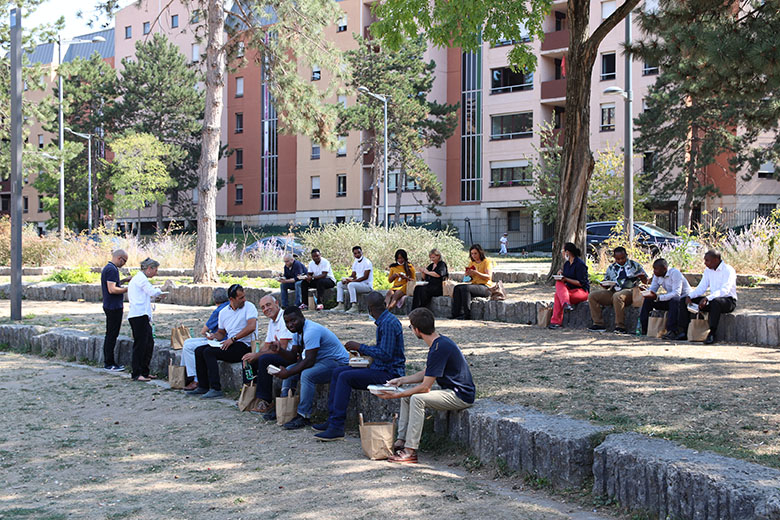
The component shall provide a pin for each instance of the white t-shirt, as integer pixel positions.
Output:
(277, 330)
(361, 267)
(234, 321)
(323, 267)
(503, 240)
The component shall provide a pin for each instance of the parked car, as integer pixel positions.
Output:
(285, 244)
(649, 236)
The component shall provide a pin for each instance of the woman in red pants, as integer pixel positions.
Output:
(573, 287)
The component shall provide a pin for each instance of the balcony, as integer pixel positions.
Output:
(554, 90)
(556, 40)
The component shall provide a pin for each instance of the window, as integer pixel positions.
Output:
(342, 23)
(40, 140)
(239, 87)
(316, 73)
(766, 171)
(607, 8)
(315, 150)
(239, 123)
(5, 203)
(608, 117)
(40, 204)
(645, 106)
(342, 100)
(505, 80)
(392, 182)
(342, 150)
(525, 36)
(26, 205)
(147, 27)
(240, 49)
(560, 21)
(510, 173)
(341, 220)
(607, 66)
(239, 158)
(647, 162)
(558, 113)
(411, 218)
(651, 6)
(764, 210)
(315, 187)
(649, 69)
(195, 195)
(195, 53)
(341, 185)
(560, 70)
(174, 21)
(314, 221)
(128, 32)
(514, 220)
(511, 126)
(239, 194)
(195, 16)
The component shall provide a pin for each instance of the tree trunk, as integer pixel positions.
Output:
(138, 231)
(690, 178)
(159, 218)
(206, 250)
(400, 181)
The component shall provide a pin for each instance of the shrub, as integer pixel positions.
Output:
(35, 249)
(78, 274)
(618, 237)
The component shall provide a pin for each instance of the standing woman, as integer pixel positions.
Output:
(140, 293)
(480, 269)
(400, 274)
(573, 287)
(435, 274)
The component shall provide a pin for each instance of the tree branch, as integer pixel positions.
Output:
(610, 23)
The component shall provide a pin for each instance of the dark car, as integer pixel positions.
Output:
(286, 244)
(649, 236)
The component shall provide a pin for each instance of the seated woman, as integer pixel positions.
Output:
(480, 269)
(435, 274)
(400, 274)
(573, 287)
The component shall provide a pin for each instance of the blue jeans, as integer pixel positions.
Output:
(290, 286)
(316, 375)
(342, 381)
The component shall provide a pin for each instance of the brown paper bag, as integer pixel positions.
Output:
(376, 438)
(248, 397)
(410, 286)
(177, 376)
(497, 292)
(312, 301)
(448, 288)
(178, 335)
(656, 326)
(698, 328)
(543, 315)
(636, 297)
(286, 408)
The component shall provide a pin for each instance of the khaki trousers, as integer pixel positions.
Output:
(617, 299)
(410, 422)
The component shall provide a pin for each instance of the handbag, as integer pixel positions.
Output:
(410, 286)
(376, 438)
(543, 314)
(656, 326)
(448, 288)
(177, 376)
(497, 292)
(636, 297)
(287, 408)
(178, 335)
(698, 328)
(247, 397)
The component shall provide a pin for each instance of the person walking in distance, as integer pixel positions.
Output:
(113, 306)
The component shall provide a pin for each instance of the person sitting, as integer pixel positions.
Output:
(446, 366)
(625, 274)
(360, 281)
(276, 350)
(401, 273)
(322, 354)
(721, 280)
(236, 329)
(388, 363)
(573, 286)
(188, 349)
(320, 276)
(290, 280)
(672, 301)
(480, 274)
(434, 275)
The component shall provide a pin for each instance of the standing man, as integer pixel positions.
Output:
(140, 293)
(626, 274)
(503, 241)
(320, 276)
(389, 361)
(113, 306)
(360, 281)
(672, 301)
(721, 280)
(289, 280)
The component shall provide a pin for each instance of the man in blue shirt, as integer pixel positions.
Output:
(447, 367)
(220, 296)
(389, 361)
(289, 281)
(113, 306)
(322, 352)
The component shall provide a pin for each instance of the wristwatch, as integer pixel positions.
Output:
(233, 339)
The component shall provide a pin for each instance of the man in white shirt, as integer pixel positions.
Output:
(320, 276)
(672, 301)
(503, 241)
(236, 330)
(721, 280)
(360, 281)
(140, 293)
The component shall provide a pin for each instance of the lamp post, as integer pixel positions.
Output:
(60, 41)
(88, 137)
(16, 163)
(383, 99)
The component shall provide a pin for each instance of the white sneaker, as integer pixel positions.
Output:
(339, 307)
(353, 309)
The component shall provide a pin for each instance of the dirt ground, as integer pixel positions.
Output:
(724, 397)
(82, 443)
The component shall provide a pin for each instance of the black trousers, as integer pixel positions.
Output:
(715, 308)
(143, 345)
(321, 284)
(206, 365)
(672, 307)
(461, 296)
(265, 381)
(424, 293)
(113, 324)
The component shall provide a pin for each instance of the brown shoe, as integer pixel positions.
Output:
(404, 456)
(191, 386)
(262, 407)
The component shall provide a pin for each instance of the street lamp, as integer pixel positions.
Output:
(88, 137)
(628, 151)
(383, 99)
(60, 41)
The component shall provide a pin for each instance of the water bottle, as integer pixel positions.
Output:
(154, 336)
(639, 326)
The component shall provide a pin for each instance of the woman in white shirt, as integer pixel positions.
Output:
(140, 293)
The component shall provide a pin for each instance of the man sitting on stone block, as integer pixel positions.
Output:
(360, 281)
(188, 349)
(276, 350)
(672, 301)
(388, 363)
(237, 324)
(721, 280)
(320, 276)
(290, 281)
(447, 367)
(619, 281)
(322, 353)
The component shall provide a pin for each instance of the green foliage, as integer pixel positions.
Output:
(229, 279)
(79, 274)
(36, 250)
(546, 171)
